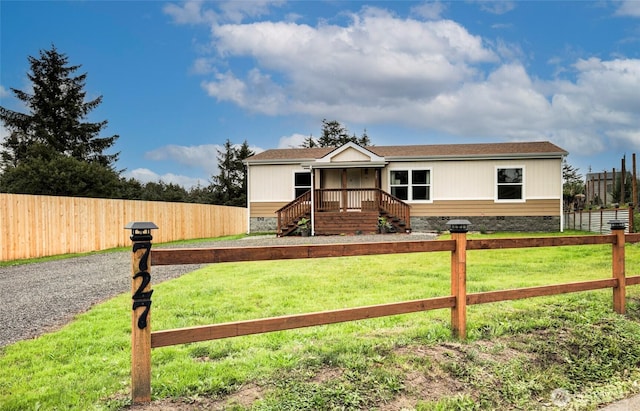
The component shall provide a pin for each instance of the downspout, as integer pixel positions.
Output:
(248, 200)
(561, 196)
(313, 203)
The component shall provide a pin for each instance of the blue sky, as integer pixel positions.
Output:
(179, 78)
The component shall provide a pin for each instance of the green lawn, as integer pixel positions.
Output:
(517, 353)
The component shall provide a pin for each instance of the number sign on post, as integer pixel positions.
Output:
(141, 311)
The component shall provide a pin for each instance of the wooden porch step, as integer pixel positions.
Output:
(332, 223)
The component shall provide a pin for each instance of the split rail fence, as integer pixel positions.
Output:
(143, 340)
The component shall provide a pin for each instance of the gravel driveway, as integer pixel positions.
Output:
(40, 297)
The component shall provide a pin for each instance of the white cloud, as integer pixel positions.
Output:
(292, 141)
(145, 175)
(3, 92)
(429, 10)
(236, 11)
(430, 75)
(497, 6)
(190, 12)
(629, 8)
(202, 157)
(194, 12)
(376, 60)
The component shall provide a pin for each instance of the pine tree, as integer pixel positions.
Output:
(572, 183)
(230, 185)
(335, 134)
(54, 128)
(309, 142)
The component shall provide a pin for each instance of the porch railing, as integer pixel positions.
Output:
(348, 199)
(339, 199)
(289, 214)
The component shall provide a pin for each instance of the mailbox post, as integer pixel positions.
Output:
(619, 292)
(458, 230)
(141, 311)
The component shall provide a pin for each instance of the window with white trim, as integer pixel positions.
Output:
(301, 183)
(510, 184)
(411, 185)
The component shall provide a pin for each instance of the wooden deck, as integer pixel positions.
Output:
(344, 211)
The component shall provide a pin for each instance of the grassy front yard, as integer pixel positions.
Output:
(540, 353)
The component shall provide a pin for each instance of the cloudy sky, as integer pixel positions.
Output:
(180, 78)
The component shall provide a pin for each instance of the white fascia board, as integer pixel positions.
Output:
(278, 162)
(543, 156)
(350, 164)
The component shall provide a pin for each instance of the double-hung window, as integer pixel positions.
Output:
(301, 183)
(411, 185)
(510, 184)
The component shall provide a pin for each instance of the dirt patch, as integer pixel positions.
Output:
(244, 397)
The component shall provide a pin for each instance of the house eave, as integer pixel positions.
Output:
(508, 156)
(279, 162)
(346, 164)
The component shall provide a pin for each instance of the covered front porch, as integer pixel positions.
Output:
(342, 194)
(332, 211)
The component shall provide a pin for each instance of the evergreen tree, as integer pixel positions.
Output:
(572, 183)
(54, 130)
(309, 142)
(229, 187)
(60, 175)
(335, 134)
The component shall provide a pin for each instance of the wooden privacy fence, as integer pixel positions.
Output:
(143, 340)
(38, 226)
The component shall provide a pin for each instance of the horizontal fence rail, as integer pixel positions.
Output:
(38, 226)
(457, 301)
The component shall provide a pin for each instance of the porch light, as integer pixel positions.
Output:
(617, 224)
(458, 226)
(141, 230)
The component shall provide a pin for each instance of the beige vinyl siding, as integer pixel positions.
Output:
(350, 155)
(332, 178)
(272, 182)
(548, 207)
(476, 180)
(265, 209)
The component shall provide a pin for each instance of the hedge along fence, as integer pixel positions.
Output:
(143, 340)
(39, 226)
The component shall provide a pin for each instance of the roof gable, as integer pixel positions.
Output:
(350, 152)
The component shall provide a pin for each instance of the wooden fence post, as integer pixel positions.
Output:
(459, 229)
(619, 292)
(141, 311)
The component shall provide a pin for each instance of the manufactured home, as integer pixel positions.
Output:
(350, 189)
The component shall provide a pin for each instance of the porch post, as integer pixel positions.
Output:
(313, 200)
(344, 190)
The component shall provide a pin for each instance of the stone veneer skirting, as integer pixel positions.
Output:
(429, 224)
(263, 224)
(494, 223)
